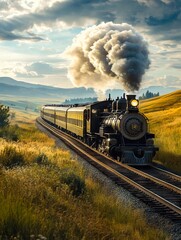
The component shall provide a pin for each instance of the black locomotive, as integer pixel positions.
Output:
(116, 128)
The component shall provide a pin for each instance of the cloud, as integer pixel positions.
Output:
(155, 2)
(4, 5)
(169, 81)
(156, 16)
(175, 65)
(45, 69)
(164, 80)
(70, 12)
(162, 18)
(6, 35)
(37, 70)
(167, 19)
(13, 7)
(21, 72)
(37, 20)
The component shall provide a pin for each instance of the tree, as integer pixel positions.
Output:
(149, 94)
(80, 100)
(4, 116)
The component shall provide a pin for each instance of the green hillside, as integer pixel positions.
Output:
(164, 114)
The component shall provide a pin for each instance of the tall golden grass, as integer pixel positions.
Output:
(48, 195)
(164, 114)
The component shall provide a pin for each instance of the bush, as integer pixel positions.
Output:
(4, 116)
(42, 159)
(76, 184)
(10, 157)
(10, 133)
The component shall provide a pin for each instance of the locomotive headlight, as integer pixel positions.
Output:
(134, 103)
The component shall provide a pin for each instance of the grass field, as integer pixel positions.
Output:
(23, 116)
(46, 194)
(164, 114)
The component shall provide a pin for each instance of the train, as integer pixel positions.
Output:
(113, 127)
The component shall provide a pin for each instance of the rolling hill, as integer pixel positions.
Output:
(164, 114)
(22, 96)
(11, 87)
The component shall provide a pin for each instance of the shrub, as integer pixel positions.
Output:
(10, 157)
(76, 184)
(42, 159)
(4, 116)
(10, 133)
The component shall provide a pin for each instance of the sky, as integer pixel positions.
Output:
(35, 34)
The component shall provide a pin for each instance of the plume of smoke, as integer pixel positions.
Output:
(108, 53)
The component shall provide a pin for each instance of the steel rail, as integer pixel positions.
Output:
(145, 175)
(161, 200)
(154, 179)
(173, 175)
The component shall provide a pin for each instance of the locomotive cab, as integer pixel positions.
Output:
(95, 113)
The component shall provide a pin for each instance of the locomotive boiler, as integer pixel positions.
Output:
(114, 127)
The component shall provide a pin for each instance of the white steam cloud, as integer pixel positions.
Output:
(108, 53)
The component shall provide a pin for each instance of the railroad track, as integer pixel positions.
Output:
(157, 188)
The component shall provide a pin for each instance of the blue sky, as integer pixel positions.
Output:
(34, 35)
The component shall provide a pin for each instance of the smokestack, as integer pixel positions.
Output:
(109, 97)
(107, 54)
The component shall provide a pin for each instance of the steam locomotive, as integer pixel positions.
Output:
(114, 127)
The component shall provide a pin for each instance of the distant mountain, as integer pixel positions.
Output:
(11, 87)
(13, 82)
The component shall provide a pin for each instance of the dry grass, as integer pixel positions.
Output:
(50, 197)
(164, 114)
(35, 201)
(23, 118)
